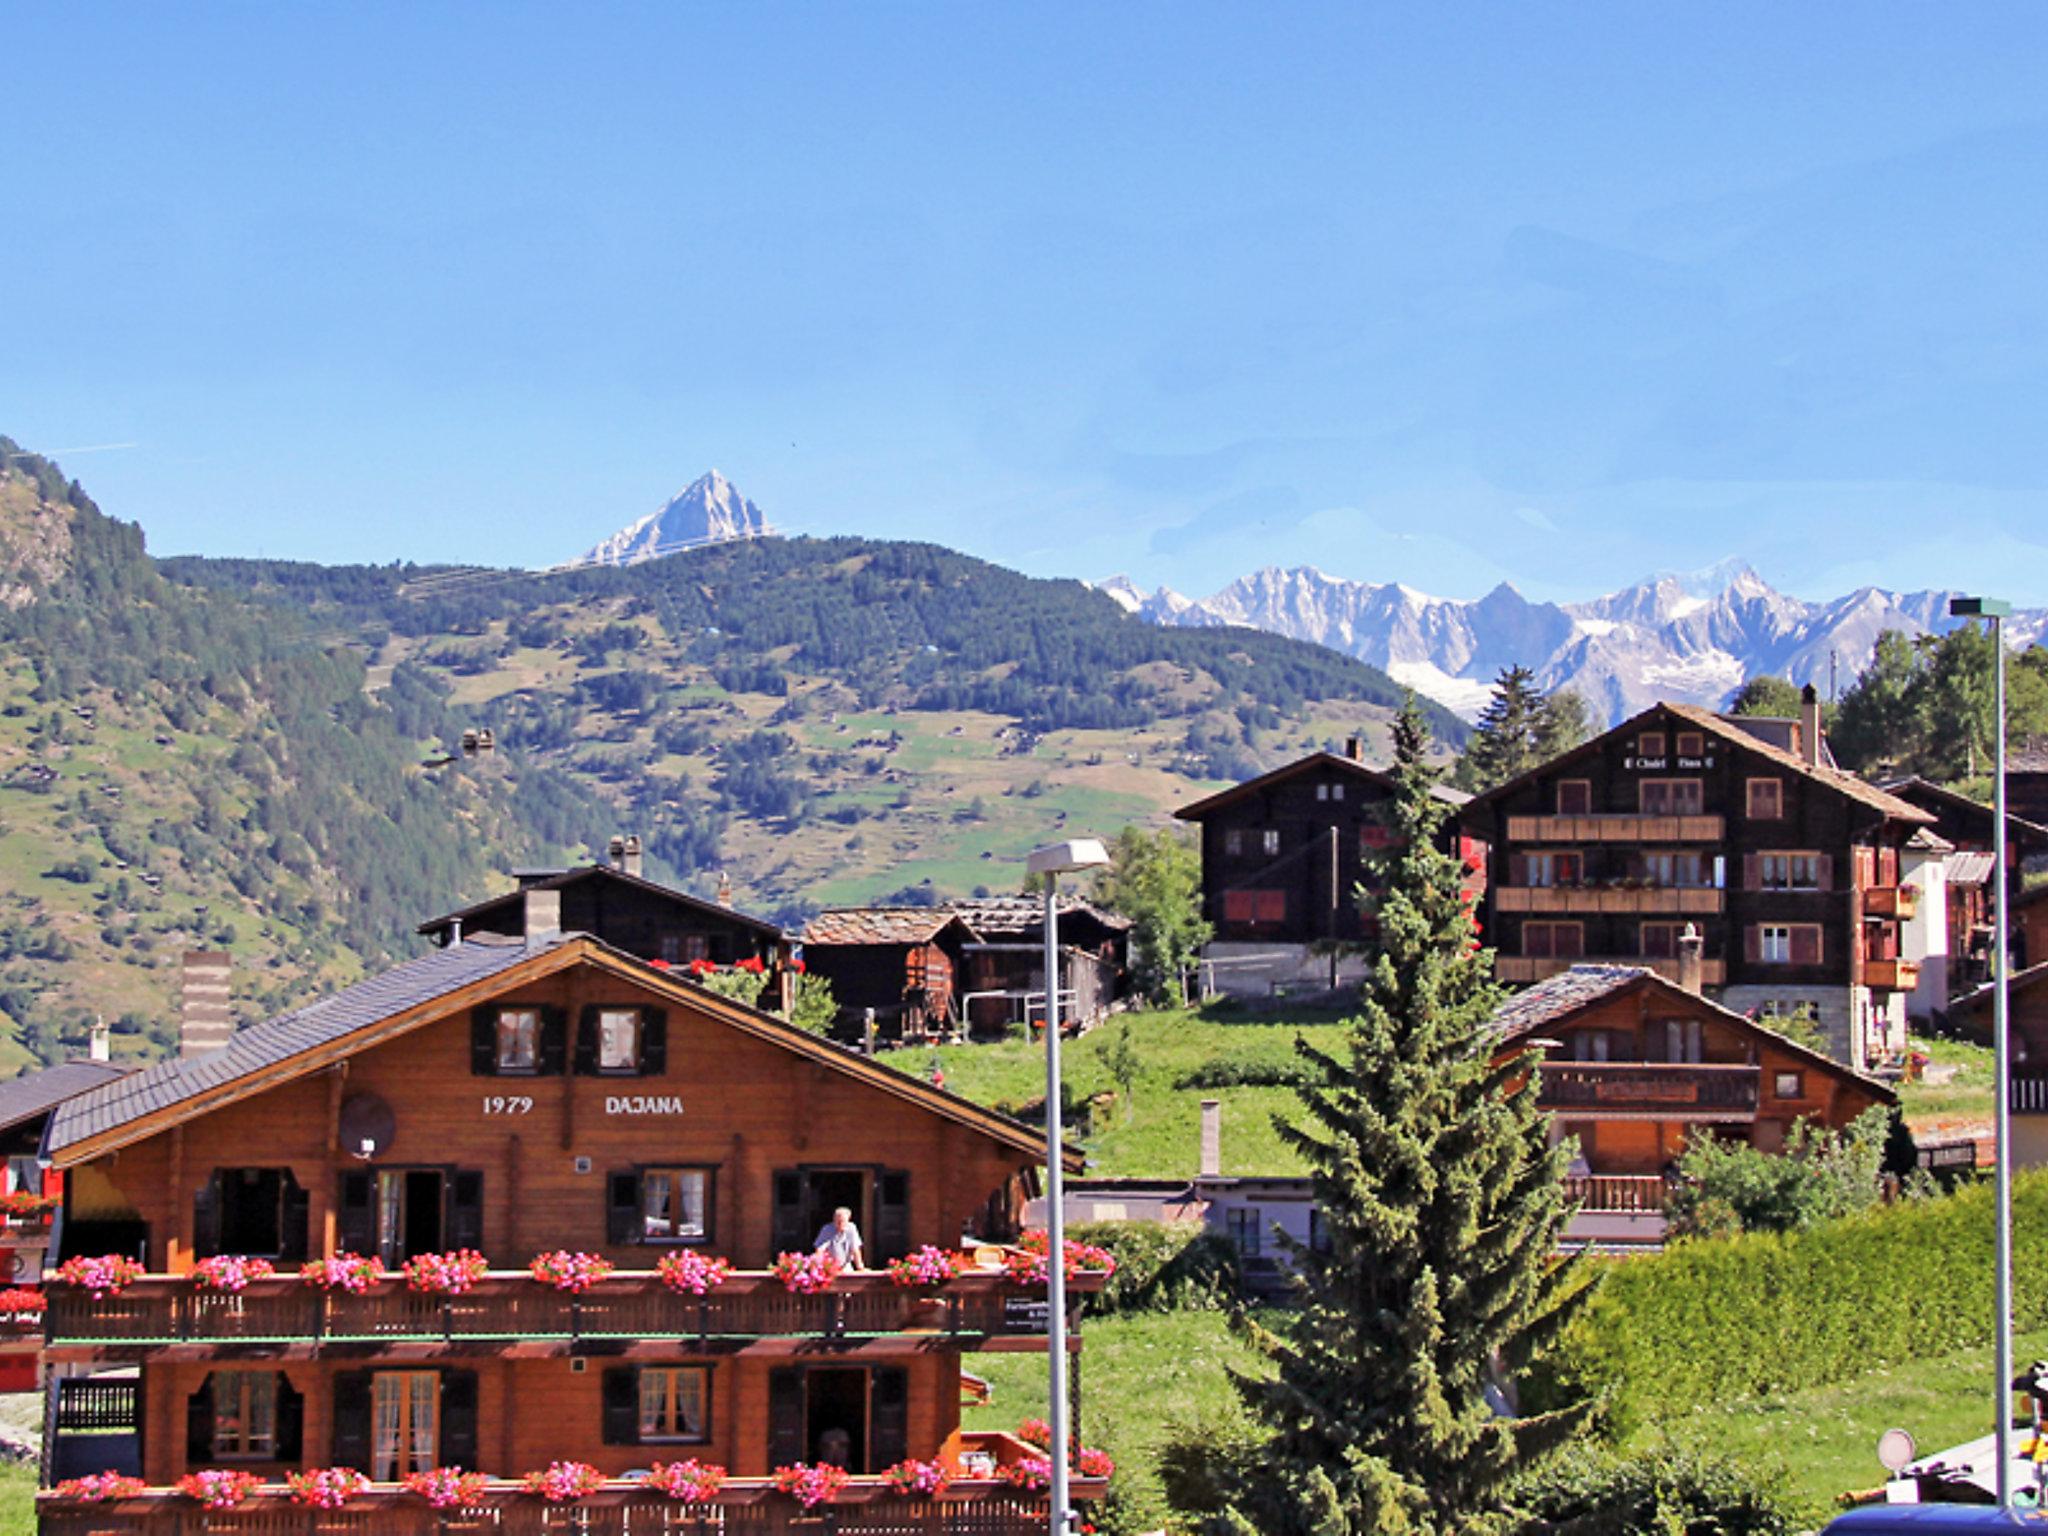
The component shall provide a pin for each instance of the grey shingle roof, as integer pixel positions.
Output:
(1566, 993)
(279, 1039)
(35, 1093)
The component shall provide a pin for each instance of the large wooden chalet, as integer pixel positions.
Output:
(1791, 871)
(1283, 856)
(517, 1096)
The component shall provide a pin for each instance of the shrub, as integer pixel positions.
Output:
(1590, 1493)
(1161, 1266)
(1246, 1069)
(1821, 1173)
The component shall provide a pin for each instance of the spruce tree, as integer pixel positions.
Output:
(1520, 728)
(1441, 1202)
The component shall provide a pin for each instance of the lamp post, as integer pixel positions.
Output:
(1052, 861)
(1993, 610)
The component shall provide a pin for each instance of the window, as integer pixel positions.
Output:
(1669, 797)
(1766, 799)
(673, 1402)
(1245, 1229)
(1255, 906)
(1650, 744)
(1551, 869)
(518, 1040)
(682, 948)
(405, 1421)
(1789, 1085)
(1319, 1240)
(1788, 943)
(244, 1415)
(1233, 841)
(1789, 872)
(1684, 870)
(1589, 1045)
(1692, 744)
(1574, 797)
(1658, 941)
(618, 1040)
(1682, 1039)
(1561, 941)
(672, 1205)
(1269, 842)
(1329, 791)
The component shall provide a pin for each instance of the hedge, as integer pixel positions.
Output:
(1721, 1318)
(1161, 1266)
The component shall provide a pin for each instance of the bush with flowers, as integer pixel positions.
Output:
(1036, 1432)
(445, 1274)
(20, 1301)
(807, 1274)
(689, 1482)
(810, 1484)
(1030, 1262)
(692, 1273)
(349, 1272)
(911, 1478)
(230, 1272)
(218, 1488)
(928, 1266)
(107, 1275)
(1033, 1474)
(99, 1487)
(326, 1487)
(26, 1205)
(447, 1487)
(1090, 1462)
(564, 1482)
(571, 1272)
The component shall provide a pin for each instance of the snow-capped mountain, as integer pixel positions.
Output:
(1692, 637)
(707, 511)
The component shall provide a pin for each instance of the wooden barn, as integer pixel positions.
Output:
(1005, 977)
(905, 963)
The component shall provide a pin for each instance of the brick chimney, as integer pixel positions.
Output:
(1691, 963)
(205, 1020)
(1212, 1139)
(543, 914)
(1809, 725)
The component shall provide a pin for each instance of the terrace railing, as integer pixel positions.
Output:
(1648, 1087)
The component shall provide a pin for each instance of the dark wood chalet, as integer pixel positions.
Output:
(1004, 984)
(2030, 918)
(903, 963)
(2027, 992)
(1282, 856)
(2026, 780)
(1791, 872)
(517, 1097)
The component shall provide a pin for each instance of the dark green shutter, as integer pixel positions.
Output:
(554, 1042)
(206, 1217)
(785, 1416)
(586, 1043)
(291, 1420)
(352, 1410)
(888, 1417)
(466, 1210)
(296, 1218)
(622, 1207)
(787, 1230)
(199, 1425)
(483, 1041)
(653, 1042)
(355, 1222)
(892, 1217)
(458, 1419)
(622, 1406)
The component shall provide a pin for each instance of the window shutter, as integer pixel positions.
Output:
(788, 1230)
(466, 1211)
(554, 1042)
(351, 1401)
(483, 1042)
(291, 1420)
(622, 1207)
(297, 1220)
(785, 1416)
(586, 1042)
(1826, 867)
(653, 1042)
(199, 1425)
(892, 1226)
(355, 1223)
(206, 1217)
(458, 1446)
(888, 1416)
(1805, 945)
(1518, 869)
(1753, 943)
(1752, 877)
(622, 1406)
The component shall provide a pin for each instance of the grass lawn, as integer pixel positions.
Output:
(1157, 1135)
(1967, 1096)
(17, 1499)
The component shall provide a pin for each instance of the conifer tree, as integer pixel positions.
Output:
(1520, 728)
(1441, 1202)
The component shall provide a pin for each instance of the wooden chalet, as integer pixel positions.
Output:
(2026, 780)
(903, 963)
(2028, 993)
(1005, 978)
(1638, 1066)
(2030, 917)
(1792, 872)
(517, 1097)
(1282, 857)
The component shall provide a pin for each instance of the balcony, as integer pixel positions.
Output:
(1703, 900)
(2029, 1092)
(1891, 975)
(1519, 969)
(743, 1506)
(1616, 1194)
(1899, 901)
(1621, 828)
(1648, 1089)
(751, 1313)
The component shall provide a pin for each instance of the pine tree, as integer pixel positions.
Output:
(1441, 1203)
(1519, 729)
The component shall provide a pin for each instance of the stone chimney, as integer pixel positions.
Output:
(1691, 963)
(543, 914)
(1809, 725)
(1354, 749)
(1212, 1139)
(102, 1041)
(205, 1020)
(724, 889)
(624, 853)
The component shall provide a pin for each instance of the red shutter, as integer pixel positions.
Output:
(1237, 906)
(1271, 906)
(1827, 873)
(1753, 943)
(1752, 879)
(1571, 942)
(1805, 944)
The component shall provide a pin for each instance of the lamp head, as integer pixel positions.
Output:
(1064, 858)
(1979, 608)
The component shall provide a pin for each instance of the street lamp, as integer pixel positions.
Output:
(1052, 861)
(1994, 610)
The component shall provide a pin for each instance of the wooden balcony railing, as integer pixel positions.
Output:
(1525, 968)
(1900, 901)
(1891, 975)
(976, 1311)
(1704, 900)
(1617, 1193)
(2029, 1093)
(1622, 828)
(1647, 1087)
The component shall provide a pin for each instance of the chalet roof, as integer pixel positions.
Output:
(423, 991)
(1780, 731)
(881, 925)
(2031, 756)
(37, 1093)
(555, 880)
(1968, 868)
(1918, 791)
(1000, 917)
(1379, 777)
(1846, 784)
(2019, 981)
(1570, 992)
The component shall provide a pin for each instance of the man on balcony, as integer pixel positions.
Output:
(840, 1238)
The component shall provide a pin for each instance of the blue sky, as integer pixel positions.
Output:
(1559, 294)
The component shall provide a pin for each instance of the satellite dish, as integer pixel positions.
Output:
(1895, 1449)
(367, 1125)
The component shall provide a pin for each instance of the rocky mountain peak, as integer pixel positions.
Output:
(709, 510)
